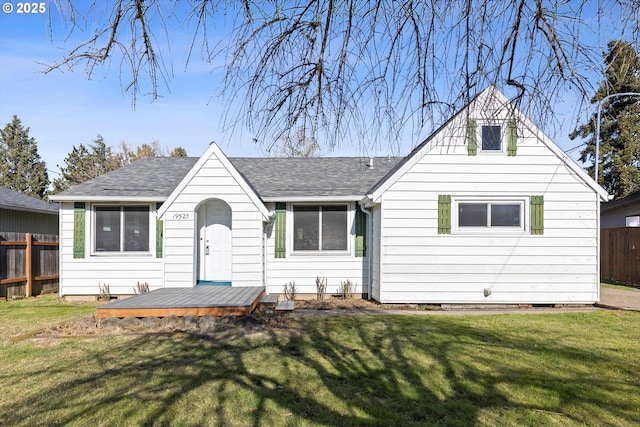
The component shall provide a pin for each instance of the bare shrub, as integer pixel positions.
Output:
(105, 292)
(141, 288)
(321, 287)
(290, 291)
(347, 289)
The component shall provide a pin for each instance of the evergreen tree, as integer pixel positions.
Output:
(619, 164)
(84, 163)
(21, 168)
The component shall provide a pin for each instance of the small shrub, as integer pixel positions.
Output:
(347, 289)
(105, 292)
(290, 291)
(321, 287)
(141, 288)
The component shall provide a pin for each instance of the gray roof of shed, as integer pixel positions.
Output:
(157, 177)
(13, 200)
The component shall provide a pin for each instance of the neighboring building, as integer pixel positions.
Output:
(486, 210)
(20, 213)
(623, 212)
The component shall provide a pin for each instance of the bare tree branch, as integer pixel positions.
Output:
(365, 72)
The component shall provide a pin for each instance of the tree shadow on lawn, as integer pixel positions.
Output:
(363, 370)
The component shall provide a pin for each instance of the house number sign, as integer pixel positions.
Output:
(181, 216)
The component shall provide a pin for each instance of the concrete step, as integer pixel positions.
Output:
(286, 305)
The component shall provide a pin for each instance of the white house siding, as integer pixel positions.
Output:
(420, 265)
(84, 276)
(303, 269)
(375, 246)
(212, 181)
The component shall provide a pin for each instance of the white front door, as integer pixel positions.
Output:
(214, 221)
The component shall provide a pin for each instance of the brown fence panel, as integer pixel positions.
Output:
(28, 264)
(620, 255)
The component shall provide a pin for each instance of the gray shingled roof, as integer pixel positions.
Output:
(13, 200)
(631, 198)
(157, 177)
(315, 176)
(150, 177)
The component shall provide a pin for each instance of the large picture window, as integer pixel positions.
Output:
(121, 228)
(320, 228)
(500, 215)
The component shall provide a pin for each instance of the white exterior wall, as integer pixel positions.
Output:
(212, 181)
(304, 268)
(419, 265)
(375, 246)
(83, 276)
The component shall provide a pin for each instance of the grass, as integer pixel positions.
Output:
(621, 287)
(25, 316)
(558, 369)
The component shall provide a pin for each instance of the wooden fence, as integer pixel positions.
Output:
(620, 255)
(28, 264)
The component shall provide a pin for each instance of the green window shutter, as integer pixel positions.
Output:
(361, 233)
(537, 215)
(78, 229)
(159, 233)
(444, 214)
(472, 138)
(512, 138)
(281, 230)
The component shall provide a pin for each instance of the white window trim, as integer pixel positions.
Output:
(503, 135)
(290, 231)
(504, 200)
(152, 232)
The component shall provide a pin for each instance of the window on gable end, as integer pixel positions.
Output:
(491, 138)
(495, 215)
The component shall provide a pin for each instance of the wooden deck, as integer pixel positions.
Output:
(197, 301)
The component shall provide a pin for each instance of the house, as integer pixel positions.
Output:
(624, 212)
(20, 213)
(486, 210)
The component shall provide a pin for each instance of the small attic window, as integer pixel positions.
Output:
(491, 138)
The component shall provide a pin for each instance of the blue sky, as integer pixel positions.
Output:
(63, 109)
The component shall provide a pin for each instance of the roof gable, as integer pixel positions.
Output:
(490, 96)
(214, 151)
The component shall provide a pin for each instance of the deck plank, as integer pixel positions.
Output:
(198, 301)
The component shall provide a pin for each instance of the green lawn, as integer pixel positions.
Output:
(621, 287)
(557, 369)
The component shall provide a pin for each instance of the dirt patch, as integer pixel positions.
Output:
(262, 320)
(334, 303)
(231, 327)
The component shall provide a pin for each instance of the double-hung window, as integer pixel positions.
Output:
(121, 228)
(320, 228)
(506, 215)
